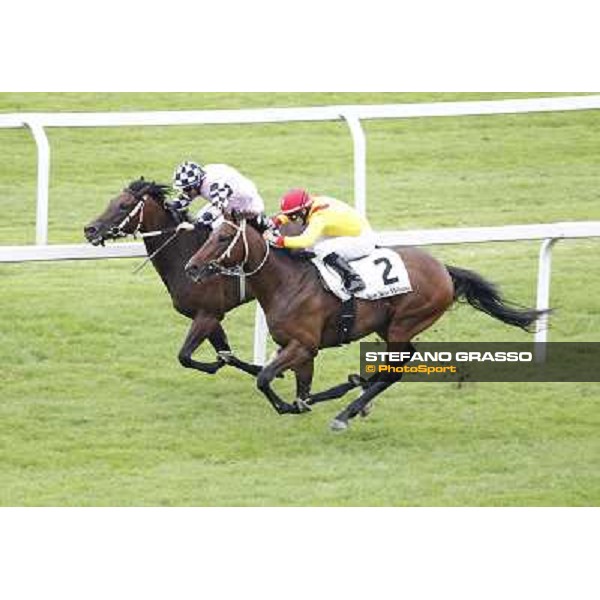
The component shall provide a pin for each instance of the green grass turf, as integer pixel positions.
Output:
(95, 410)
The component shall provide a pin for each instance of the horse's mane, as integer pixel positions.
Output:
(160, 193)
(154, 190)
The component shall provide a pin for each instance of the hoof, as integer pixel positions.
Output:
(337, 425)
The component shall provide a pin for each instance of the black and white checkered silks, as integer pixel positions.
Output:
(188, 175)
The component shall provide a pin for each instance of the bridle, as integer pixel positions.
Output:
(239, 271)
(118, 231)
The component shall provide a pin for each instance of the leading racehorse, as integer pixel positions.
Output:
(142, 207)
(303, 317)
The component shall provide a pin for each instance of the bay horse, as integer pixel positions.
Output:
(142, 207)
(303, 317)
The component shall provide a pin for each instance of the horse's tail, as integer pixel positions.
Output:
(485, 297)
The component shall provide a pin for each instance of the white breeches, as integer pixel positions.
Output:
(350, 248)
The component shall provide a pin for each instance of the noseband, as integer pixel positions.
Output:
(238, 271)
(118, 230)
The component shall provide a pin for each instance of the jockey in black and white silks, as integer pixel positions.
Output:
(225, 188)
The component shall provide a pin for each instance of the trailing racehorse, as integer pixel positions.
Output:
(303, 317)
(142, 208)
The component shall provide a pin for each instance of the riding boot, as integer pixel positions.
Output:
(352, 280)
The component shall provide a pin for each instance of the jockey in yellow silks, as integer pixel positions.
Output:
(335, 232)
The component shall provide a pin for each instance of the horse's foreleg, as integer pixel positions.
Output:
(220, 343)
(294, 355)
(201, 328)
(304, 377)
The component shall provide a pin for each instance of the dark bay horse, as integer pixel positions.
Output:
(142, 207)
(303, 317)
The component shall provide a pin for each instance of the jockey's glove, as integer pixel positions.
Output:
(275, 223)
(207, 218)
(273, 239)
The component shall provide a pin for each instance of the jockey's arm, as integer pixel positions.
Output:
(310, 236)
(219, 193)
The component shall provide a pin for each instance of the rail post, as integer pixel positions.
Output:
(360, 160)
(543, 298)
(261, 333)
(43, 181)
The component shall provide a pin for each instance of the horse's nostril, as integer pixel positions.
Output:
(90, 230)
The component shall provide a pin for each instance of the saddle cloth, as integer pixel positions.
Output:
(383, 272)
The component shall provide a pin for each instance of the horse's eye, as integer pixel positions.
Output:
(124, 206)
(225, 238)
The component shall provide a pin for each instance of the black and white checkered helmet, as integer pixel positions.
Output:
(187, 175)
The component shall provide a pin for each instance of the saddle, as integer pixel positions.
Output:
(383, 272)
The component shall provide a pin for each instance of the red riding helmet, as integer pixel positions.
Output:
(294, 201)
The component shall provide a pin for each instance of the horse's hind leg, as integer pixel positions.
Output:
(218, 339)
(201, 328)
(401, 331)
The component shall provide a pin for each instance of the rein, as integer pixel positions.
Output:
(155, 253)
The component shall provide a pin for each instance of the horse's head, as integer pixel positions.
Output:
(129, 212)
(234, 247)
